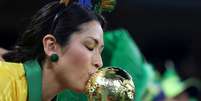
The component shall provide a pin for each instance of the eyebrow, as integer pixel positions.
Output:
(97, 42)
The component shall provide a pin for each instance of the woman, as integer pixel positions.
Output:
(60, 49)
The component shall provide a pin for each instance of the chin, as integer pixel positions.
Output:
(80, 86)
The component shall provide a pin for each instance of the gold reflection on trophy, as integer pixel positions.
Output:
(110, 84)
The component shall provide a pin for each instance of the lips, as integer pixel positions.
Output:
(90, 73)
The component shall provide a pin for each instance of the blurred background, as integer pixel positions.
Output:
(163, 29)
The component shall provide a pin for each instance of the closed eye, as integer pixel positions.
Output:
(90, 44)
(89, 48)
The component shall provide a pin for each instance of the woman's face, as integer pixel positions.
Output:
(81, 56)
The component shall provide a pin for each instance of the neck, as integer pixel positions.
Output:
(50, 86)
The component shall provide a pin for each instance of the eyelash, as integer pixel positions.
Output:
(90, 49)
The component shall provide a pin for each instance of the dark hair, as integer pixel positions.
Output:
(54, 18)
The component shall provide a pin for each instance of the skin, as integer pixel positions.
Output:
(80, 58)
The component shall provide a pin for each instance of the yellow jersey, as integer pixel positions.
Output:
(13, 83)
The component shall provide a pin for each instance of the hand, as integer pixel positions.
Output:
(2, 51)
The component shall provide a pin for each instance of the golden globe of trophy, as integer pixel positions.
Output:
(110, 84)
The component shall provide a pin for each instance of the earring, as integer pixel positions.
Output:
(54, 57)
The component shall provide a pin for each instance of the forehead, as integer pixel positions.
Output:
(91, 29)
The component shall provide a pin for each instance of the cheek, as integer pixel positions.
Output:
(79, 57)
(78, 62)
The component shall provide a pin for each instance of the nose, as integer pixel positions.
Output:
(97, 61)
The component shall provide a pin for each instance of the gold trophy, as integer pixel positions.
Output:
(110, 84)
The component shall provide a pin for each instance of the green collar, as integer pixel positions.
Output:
(34, 80)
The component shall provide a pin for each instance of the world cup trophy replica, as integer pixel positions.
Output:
(110, 84)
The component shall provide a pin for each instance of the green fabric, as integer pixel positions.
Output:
(34, 78)
(153, 89)
(119, 51)
(69, 95)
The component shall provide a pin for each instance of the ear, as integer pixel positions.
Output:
(50, 45)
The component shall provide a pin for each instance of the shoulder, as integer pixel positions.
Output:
(13, 81)
(11, 69)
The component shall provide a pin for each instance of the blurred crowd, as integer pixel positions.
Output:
(151, 84)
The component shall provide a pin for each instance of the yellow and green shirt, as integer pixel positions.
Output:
(20, 82)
